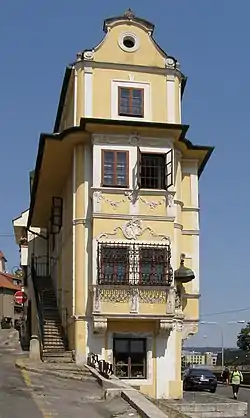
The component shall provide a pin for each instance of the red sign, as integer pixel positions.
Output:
(20, 297)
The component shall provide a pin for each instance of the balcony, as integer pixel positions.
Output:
(133, 278)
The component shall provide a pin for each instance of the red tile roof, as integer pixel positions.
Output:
(6, 282)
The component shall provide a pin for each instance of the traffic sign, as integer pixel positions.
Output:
(20, 297)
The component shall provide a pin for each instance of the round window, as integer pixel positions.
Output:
(129, 42)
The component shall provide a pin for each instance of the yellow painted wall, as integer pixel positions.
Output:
(186, 189)
(102, 91)
(67, 253)
(114, 203)
(147, 54)
(159, 227)
(67, 119)
(188, 220)
(191, 309)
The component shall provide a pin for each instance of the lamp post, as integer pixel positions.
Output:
(222, 334)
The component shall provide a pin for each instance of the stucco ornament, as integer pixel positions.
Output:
(165, 327)
(178, 326)
(132, 229)
(178, 298)
(170, 62)
(99, 325)
(88, 55)
(171, 301)
(189, 329)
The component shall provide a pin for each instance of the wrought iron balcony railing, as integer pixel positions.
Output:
(133, 265)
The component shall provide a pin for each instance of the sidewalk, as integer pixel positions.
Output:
(112, 388)
(62, 370)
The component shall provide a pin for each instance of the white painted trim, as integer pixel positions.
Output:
(189, 166)
(180, 102)
(88, 92)
(190, 232)
(97, 158)
(134, 140)
(75, 95)
(194, 189)
(131, 84)
(170, 87)
(73, 232)
(101, 215)
(129, 35)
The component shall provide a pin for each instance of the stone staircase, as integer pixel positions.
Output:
(54, 339)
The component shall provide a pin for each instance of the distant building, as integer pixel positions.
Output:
(9, 311)
(198, 358)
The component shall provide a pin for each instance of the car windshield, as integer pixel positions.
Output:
(199, 372)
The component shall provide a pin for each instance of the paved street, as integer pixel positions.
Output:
(244, 394)
(25, 394)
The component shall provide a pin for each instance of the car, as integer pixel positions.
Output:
(198, 378)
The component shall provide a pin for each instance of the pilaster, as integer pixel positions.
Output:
(79, 259)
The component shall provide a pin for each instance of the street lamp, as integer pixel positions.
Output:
(222, 334)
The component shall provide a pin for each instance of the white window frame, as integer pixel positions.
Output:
(146, 87)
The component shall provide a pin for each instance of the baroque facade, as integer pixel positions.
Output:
(114, 206)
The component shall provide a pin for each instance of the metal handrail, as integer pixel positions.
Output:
(38, 303)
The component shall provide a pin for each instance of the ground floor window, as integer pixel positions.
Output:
(130, 358)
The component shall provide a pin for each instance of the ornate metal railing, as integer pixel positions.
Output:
(133, 264)
(102, 366)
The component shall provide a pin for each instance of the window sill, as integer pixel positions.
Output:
(115, 190)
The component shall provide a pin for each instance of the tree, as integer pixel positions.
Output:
(243, 339)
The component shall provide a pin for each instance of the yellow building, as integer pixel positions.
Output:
(115, 192)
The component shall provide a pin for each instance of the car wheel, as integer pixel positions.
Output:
(213, 390)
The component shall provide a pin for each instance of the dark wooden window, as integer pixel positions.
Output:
(115, 168)
(113, 264)
(133, 264)
(130, 358)
(155, 171)
(131, 102)
(154, 265)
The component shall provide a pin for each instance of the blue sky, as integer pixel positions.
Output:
(211, 41)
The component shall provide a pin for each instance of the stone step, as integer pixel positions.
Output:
(55, 339)
(216, 407)
(65, 354)
(48, 344)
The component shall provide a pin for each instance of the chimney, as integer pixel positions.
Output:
(2, 262)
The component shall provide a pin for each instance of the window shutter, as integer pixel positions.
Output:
(169, 181)
(138, 167)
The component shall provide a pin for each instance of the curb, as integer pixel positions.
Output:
(21, 366)
(242, 385)
(116, 388)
